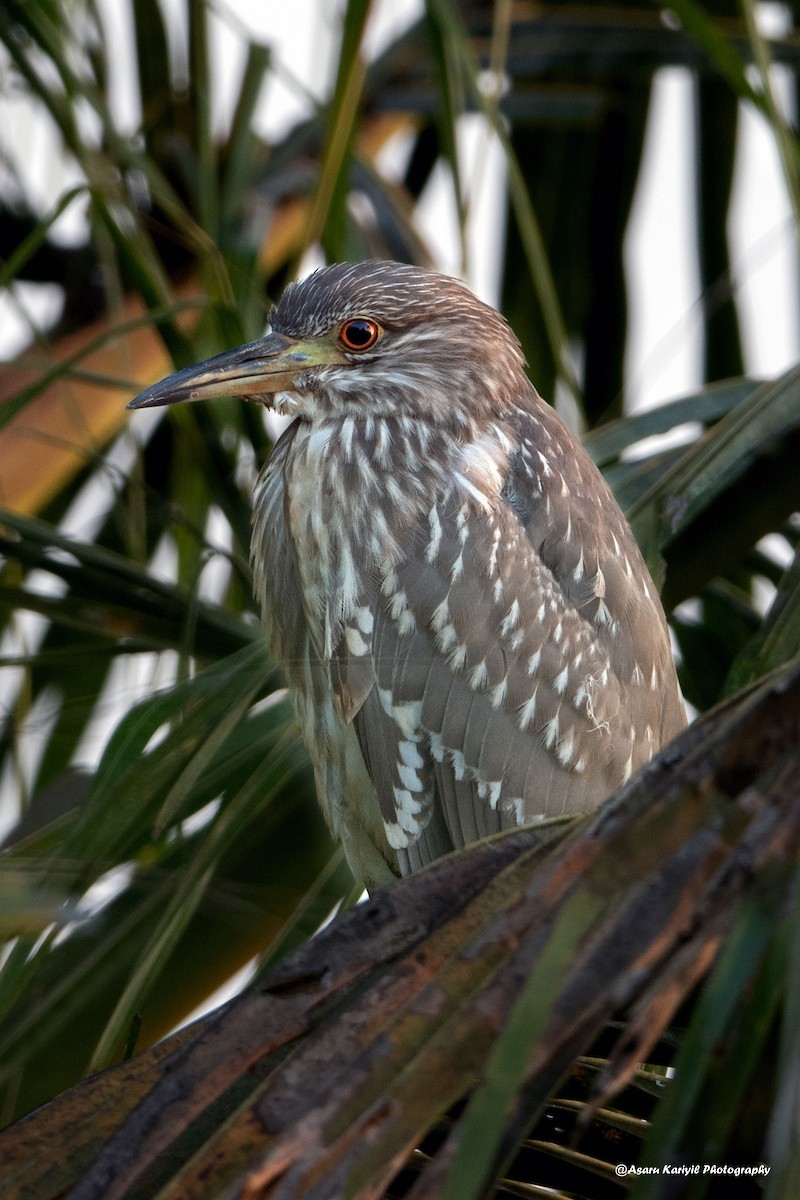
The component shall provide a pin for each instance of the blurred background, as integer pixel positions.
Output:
(621, 180)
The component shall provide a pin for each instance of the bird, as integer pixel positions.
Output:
(470, 635)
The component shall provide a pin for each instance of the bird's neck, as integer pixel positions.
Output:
(356, 489)
(359, 465)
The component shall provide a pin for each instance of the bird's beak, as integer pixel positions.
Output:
(255, 371)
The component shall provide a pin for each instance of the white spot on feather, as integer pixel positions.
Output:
(492, 793)
(478, 676)
(564, 749)
(410, 755)
(437, 746)
(493, 553)
(348, 428)
(348, 581)
(355, 643)
(409, 778)
(440, 615)
(391, 584)
(502, 437)
(407, 622)
(408, 805)
(458, 657)
(398, 605)
(477, 495)
(394, 491)
(407, 715)
(435, 542)
(528, 711)
(462, 524)
(511, 619)
(534, 660)
(560, 682)
(364, 469)
(364, 619)
(446, 638)
(383, 444)
(550, 733)
(602, 616)
(397, 837)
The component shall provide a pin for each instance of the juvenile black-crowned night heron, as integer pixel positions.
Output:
(469, 631)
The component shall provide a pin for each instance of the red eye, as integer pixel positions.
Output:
(359, 334)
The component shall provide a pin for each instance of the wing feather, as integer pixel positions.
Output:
(494, 655)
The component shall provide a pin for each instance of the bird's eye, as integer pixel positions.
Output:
(359, 334)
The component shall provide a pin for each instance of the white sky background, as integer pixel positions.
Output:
(664, 352)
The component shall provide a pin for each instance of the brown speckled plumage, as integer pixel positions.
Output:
(468, 629)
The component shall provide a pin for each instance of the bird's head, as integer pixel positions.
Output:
(366, 339)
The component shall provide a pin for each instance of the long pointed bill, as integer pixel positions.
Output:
(255, 371)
